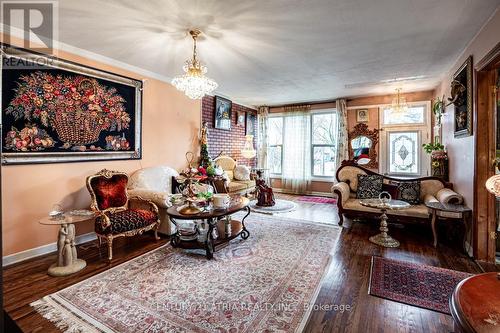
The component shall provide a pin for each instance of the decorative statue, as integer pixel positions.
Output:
(264, 194)
(204, 134)
(63, 232)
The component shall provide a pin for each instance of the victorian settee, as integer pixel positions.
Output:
(231, 184)
(431, 189)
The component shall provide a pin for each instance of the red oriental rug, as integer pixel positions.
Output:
(323, 200)
(414, 284)
(266, 283)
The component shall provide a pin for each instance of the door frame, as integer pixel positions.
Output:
(484, 226)
(424, 159)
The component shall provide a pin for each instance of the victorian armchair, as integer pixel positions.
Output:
(119, 215)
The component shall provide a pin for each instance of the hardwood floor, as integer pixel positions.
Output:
(345, 283)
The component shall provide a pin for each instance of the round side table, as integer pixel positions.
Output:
(449, 211)
(67, 260)
(383, 239)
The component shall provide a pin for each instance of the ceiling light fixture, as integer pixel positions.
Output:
(193, 82)
(399, 104)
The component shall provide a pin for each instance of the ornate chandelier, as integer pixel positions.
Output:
(399, 104)
(193, 82)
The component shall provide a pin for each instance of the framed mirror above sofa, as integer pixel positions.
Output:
(362, 146)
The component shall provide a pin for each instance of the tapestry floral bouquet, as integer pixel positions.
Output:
(77, 107)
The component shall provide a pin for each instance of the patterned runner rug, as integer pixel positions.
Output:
(322, 200)
(266, 282)
(414, 284)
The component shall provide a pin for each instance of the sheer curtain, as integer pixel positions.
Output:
(296, 169)
(343, 141)
(262, 141)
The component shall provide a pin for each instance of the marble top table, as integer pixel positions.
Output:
(383, 238)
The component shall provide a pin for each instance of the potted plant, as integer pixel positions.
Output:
(439, 159)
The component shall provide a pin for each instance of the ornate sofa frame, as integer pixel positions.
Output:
(343, 188)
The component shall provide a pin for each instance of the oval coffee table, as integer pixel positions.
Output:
(215, 220)
(383, 239)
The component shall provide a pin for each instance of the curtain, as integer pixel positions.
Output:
(296, 168)
(343, 140)
(262, 142)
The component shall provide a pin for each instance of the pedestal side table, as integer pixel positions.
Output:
(67, 260)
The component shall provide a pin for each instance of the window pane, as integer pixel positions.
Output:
(403, 152)
(274, 159)
(324, 128)
(324, 161)
(414, 115)
(275, 131)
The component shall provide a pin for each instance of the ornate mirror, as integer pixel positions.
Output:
(362, 146)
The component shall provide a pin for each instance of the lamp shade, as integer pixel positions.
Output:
(248, 150)
(493, 185)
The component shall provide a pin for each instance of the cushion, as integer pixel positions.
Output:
(392, 189)
(126, 220)
(409, 191)
(158, 179)
(110, 192)
(236, 186)
(241, 172)
(430, 186)
(229, 174)
(349, 175)
(369, 186)
(419, 211)
(447, 196)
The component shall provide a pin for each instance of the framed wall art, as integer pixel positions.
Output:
(461, 98)
(251, 124)
(240, 118)
(58, 111)
(362, 116)
(222, 114)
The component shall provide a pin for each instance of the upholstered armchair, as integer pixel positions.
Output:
(155, 184)
(233, 185)
(119, 215)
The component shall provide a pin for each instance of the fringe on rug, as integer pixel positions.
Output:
(61, 318)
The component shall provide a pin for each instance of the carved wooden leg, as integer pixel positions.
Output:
(341, 218)
(110, 248)
(100, 241)
(433, 224)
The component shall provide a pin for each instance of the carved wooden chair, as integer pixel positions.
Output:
(119, 215)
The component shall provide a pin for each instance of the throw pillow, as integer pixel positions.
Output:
(409, 192)
(369, 186)
(241, 172)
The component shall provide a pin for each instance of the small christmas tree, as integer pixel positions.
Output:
(205, 160)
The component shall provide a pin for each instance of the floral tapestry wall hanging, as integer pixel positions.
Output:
(58, 111)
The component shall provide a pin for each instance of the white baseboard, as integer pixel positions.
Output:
(44, 249)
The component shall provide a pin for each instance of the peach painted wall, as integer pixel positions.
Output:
(170, 125)
(461, 151)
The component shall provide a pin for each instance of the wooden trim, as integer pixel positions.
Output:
(484, 222)
(491, 59)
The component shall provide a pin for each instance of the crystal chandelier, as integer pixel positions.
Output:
(193, 82)
(399, 104)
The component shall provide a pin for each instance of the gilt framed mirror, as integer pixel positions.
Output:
(363, 146)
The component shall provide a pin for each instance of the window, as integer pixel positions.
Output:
(414, 115)
(322, 143)
(324, 139)
(403, 155)
(275, 150)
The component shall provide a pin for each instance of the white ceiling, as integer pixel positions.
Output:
(282, 51)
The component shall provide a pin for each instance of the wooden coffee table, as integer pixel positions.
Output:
(475, 304)
(215, 220)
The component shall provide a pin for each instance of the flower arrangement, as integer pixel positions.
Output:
(30, 138)
(77, 107)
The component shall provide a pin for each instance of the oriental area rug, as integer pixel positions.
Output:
(267, 283)
(414, 284)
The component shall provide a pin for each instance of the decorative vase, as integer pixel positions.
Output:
(439, 164)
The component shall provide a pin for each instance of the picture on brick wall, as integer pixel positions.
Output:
(222, 113)
(58, 111)
(240, 118)
(251, 124)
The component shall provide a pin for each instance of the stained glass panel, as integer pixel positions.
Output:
(403, 152)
